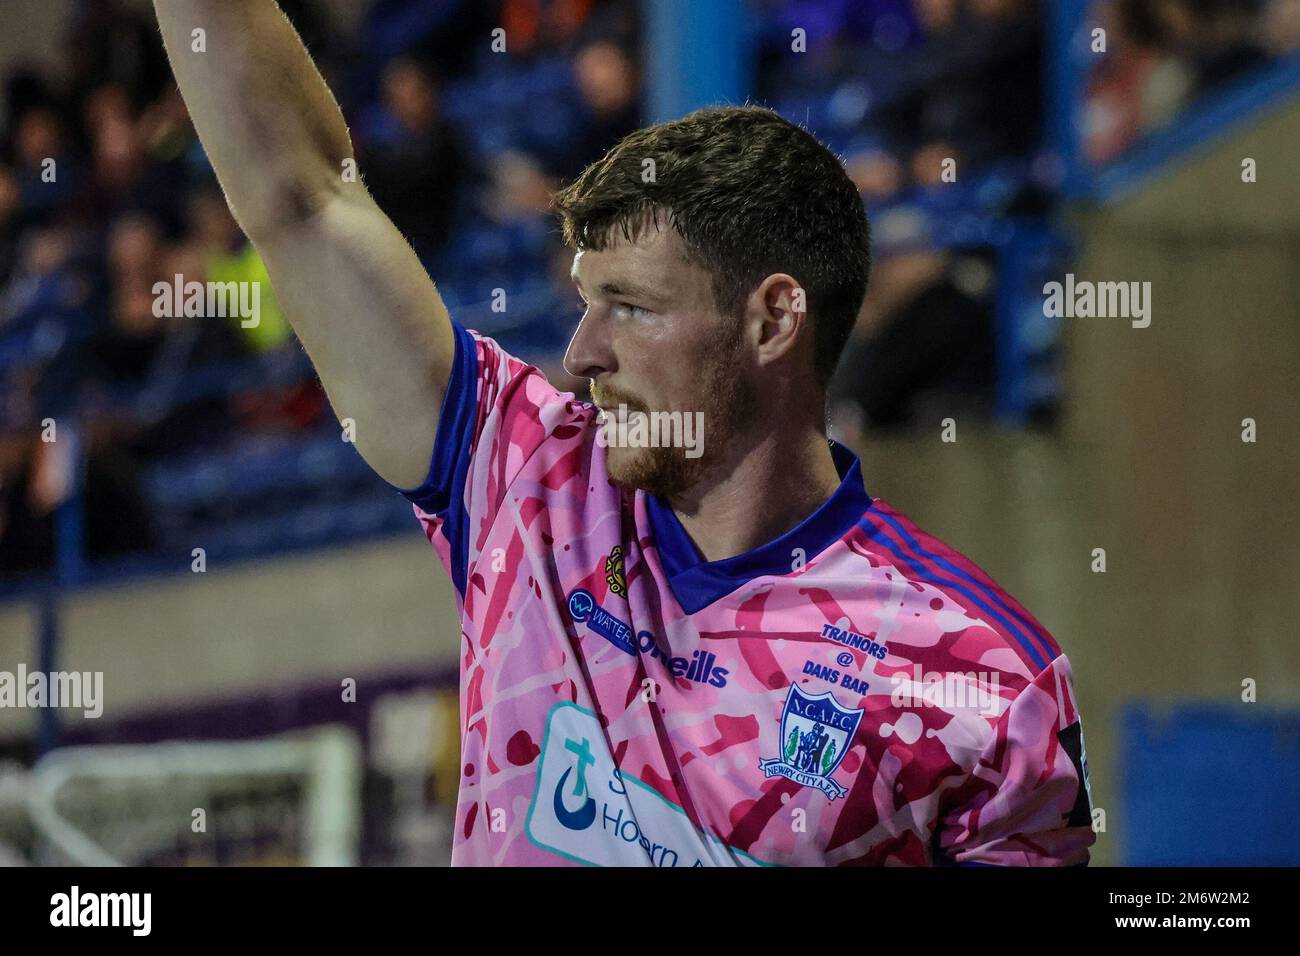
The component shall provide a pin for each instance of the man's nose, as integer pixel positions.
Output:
(587, 356)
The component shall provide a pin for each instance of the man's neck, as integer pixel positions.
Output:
(758, 494)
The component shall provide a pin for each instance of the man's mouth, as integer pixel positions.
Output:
(609, 403)
(622, 407)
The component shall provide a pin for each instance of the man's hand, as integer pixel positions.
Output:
(370, 318)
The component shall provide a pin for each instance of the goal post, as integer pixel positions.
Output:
(288, 800)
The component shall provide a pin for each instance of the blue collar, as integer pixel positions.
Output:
(697, 583)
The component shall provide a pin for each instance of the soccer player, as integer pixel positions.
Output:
(690, 634)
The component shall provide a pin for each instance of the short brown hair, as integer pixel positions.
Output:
(751, 194)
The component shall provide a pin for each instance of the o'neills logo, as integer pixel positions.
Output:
(700, 668)
(636, 429)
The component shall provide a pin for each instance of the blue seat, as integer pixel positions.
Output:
(1211, 785)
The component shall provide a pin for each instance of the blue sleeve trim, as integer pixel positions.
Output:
(443, 491)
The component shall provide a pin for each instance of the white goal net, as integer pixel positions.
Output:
(291, 800)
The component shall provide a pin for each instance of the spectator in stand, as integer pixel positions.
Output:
(218, 251)
(606, 79)
(1219, 38)
(43, 166)
(922, 335)
(1281, 27)
(129, 373)
(1163, 54)
(124, 350)
(415, 165)
(981, 99)
(50, 295)
(111, 43)
(11, 211)
(876, 172)
(225, 255)
(124, 176)
(838, 31)
(537, 27)
(447, 32)
(34, 477)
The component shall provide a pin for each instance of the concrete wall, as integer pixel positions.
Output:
(193, 638)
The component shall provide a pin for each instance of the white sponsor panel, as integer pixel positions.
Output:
(585, 809)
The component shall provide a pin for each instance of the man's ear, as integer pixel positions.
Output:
(780, 305)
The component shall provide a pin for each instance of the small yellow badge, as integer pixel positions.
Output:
(614, 572)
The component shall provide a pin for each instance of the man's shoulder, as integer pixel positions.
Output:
(951, 614)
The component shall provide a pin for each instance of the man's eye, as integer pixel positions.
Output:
(627, 310)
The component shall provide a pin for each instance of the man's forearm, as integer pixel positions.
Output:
(273, 131)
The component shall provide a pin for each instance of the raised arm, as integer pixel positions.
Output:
(367, 313)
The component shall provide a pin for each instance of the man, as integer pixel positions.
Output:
(710, 653)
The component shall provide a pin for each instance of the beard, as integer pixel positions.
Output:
(727, 403)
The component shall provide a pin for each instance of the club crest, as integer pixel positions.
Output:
(815, 735)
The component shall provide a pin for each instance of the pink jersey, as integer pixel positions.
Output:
(853, 692)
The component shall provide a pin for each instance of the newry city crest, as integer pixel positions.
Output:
(815, 735)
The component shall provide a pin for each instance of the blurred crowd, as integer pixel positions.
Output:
(918, 96)
(913, 82)
(1163, 54)
(105, 190)
(913, 91)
